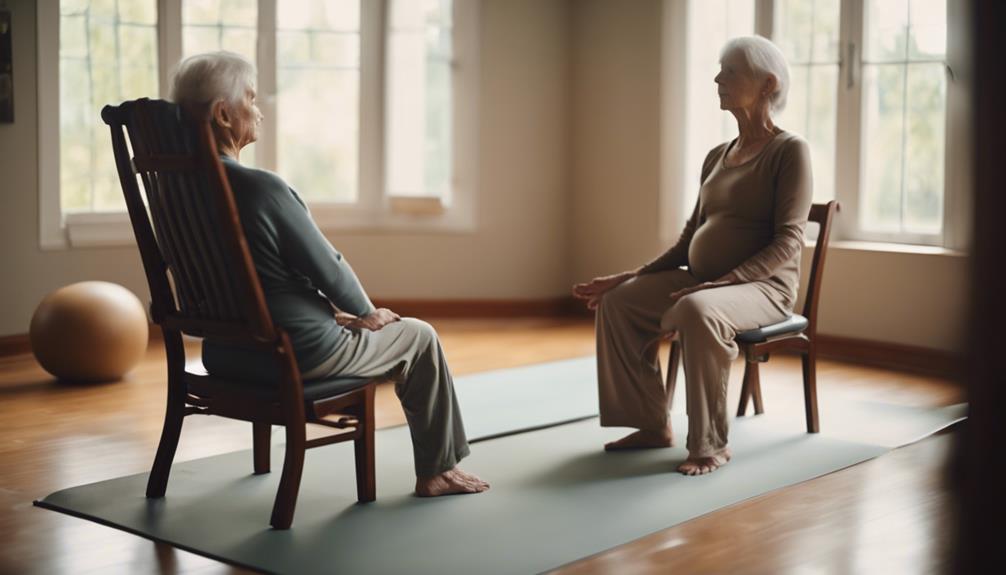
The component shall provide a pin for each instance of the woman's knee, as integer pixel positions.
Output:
(422, 331)
(615, 298)
(687, 313)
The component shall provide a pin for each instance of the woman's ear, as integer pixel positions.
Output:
(221, 114)
(770, 86)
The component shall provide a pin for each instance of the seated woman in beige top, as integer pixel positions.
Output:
(741, 247)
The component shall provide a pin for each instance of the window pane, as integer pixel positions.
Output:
(419, 94)
(108, 53)
(318, 47)
(928, 27)
(338, 15)
(710, 25)
(883, 114)
(793, 29)
(904, 117)
(827, 21)
(812, 103)
(212, 25)
(885, 30)
(925, 148)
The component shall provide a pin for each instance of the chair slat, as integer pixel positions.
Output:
(162, 225)
(185, 245)
(196, 199)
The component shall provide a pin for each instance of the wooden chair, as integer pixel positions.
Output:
(796, 333)
(203, 283)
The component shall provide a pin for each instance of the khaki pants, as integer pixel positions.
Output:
(411, 351)
(630, 323)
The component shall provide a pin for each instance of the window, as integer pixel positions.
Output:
(706, 125)
(873, 93)
(807, 32)
(363, 101)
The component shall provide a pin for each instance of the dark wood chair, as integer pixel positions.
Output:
(203, 283)
(795, 333)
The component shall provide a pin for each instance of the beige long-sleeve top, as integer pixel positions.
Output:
(748, 223)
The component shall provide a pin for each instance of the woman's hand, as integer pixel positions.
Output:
(373, 321)
(594, 290)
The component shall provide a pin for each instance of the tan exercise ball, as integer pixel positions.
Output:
(89, 331)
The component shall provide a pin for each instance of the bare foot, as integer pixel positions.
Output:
(643, 439)
(450, 482)
(704, 465)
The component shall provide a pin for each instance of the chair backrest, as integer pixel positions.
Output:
(822, 214)
(200, 272)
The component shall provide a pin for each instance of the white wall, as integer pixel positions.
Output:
(614, 134)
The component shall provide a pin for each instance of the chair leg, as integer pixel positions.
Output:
(289, 483)
(750, 372)
(755, 387)
(157, 483)
(673, 362)
(261, 434)
(363, 446)
(810, 389)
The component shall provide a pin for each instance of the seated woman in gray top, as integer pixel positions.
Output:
(742, 249)
(313, 294)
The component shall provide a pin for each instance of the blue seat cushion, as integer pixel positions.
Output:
(792, 325)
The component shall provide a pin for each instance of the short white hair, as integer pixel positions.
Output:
(208, 78)
(764, 59)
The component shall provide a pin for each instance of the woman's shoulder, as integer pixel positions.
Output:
(253, 178)
(718, 150)
(713, 155)
(787, 141)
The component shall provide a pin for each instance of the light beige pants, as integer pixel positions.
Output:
(631, 320)
(410, 350)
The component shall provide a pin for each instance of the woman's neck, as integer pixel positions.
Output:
(754, 127)
(229, 149)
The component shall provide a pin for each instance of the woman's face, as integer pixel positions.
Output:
(736, 85)
(246, 119)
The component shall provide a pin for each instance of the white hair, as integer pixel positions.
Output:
(207, 78)
(764, 59)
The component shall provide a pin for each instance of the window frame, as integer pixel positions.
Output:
(374, 210)
(955, 233)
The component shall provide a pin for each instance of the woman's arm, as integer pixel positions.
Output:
(306, 249)
(677, 255)
(793, 197)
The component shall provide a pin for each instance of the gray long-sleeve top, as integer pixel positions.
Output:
(301, 274)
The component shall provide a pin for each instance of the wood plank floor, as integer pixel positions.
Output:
(888, 515)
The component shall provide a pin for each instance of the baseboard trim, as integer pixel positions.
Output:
(896, 356)
(16, 344)
(853, 350)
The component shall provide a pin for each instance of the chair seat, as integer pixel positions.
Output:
(314, 390)
(794, 324)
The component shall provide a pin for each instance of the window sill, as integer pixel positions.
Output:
(98, 230)
(421, 217)
(112, 229)
(889, 247)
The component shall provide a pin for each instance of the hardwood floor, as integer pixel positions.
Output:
(888, 515)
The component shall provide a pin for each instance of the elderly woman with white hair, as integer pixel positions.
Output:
(741, 247)
(306, 280)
